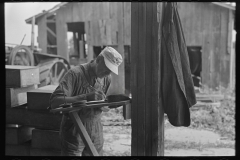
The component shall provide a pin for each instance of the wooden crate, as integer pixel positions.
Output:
(46, 139)
(44, 152)
(33, 118)
(17, 134)
(39, 98)
(18, 150)
(17, 96)
(21, 76)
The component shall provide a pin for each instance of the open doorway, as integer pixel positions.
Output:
(195, 60)
(77, 43)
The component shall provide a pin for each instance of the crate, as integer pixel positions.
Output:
(17, 96)
(21, 76)
(39, 98)
(34, 118)
(18, 150)
(46, 139)
(17, 134)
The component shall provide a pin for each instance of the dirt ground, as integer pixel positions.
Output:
(179, 141)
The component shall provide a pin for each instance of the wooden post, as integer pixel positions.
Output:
(32, 38)
(145, 81)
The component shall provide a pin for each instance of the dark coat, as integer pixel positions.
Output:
(177, 85)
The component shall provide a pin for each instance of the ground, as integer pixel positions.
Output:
(211, 133)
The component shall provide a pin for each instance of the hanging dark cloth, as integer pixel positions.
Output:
(177, 85)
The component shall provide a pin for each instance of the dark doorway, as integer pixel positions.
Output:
(195, 60)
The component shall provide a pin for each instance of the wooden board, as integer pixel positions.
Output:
(42, 33)
(17, 96)
(44, 152)
(39, 98)
(33, 118)
(147, 130)
(94, 105)
(21, 76)
(46, 139)
(17, 134)
(18, 150)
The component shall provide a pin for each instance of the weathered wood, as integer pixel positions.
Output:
(61, 30)
(157, 94)
(42, 33)
(33, 118)
(134, 74)
(141, 126)
(127, 23)
(17, 134)
(44, 152)
(21, 76)
(145, 79)
(83, 133)
(46, 139)
(18, 150)
(225, 57)
(39, 98)
(17, 96)
(127, 111)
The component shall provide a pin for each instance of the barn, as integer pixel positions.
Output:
(207, 27)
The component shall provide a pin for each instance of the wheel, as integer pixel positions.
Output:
(21, 55)
(56, 72)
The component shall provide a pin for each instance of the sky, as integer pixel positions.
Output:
(15, 16)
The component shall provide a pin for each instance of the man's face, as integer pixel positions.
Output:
(102, 70)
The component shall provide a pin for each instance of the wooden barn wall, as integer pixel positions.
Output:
(206, 25)
(42, 33)
(100, 20)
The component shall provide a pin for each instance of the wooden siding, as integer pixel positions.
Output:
(206, 25)
(42, 33)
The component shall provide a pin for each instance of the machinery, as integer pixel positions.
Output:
(51, 67)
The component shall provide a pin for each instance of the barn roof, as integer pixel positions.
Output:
(55, 8)
(50, 11)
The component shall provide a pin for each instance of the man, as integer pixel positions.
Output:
(89, 82)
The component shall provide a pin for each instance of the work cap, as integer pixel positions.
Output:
(112, 58)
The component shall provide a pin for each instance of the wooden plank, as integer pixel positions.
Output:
(17, 134)
(87, 10)
(127, 111)
(230, 45)
(127, 23)
(225, 57)
(18, 150)
(148, 11)
(61, 30)
(44, 152)
(77, 12)
(141, 81)
(33, 118)
(17, 96)
(39, 98)
(134, 75)
(157, 111)
(114, 22)
(83, 133)
(42, 33)
(145, 80)
(51, 32)
(216, 47)
(46, 139)
(21, 76)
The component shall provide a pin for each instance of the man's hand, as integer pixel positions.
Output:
(96, 95)
(105, 109)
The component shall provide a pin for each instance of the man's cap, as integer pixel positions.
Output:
(112, 58)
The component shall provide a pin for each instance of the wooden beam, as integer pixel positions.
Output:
(50, 31)
(145, 64)
(83, 133)
(51, 21)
